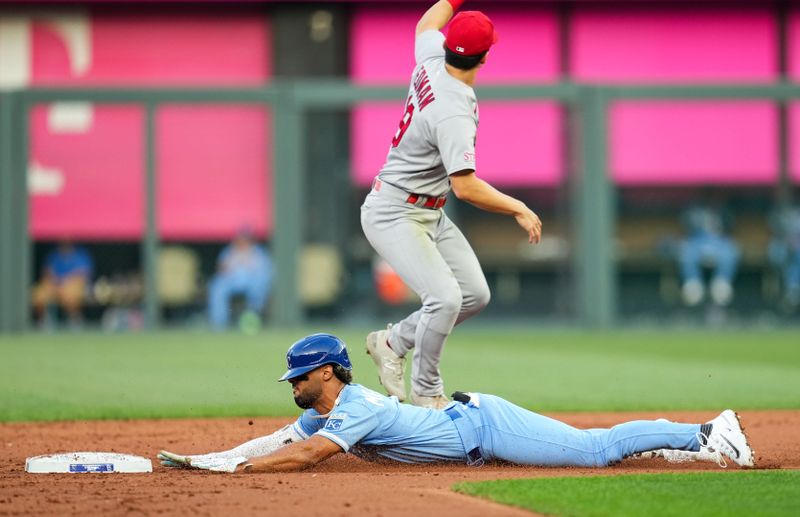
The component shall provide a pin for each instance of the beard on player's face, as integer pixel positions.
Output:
(308, 394)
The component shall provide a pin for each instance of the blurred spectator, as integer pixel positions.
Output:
(784, 253)
(243, 268)
(707, 245)
(65, 279)
(122, 293)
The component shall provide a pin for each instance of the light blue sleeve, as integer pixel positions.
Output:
(266, 266)
(306, 425)
(349, 424)
(262, 271)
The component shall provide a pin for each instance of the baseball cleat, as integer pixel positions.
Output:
(391, 367)
(437, 402)
(727, 437)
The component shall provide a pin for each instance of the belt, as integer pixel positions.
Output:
(432, 202)
(466, 431)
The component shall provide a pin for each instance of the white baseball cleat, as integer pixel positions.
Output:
(391, 367)
(727, 437)
(436, 402)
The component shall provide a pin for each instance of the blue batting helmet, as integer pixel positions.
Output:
(314, 351)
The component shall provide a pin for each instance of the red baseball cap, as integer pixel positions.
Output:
(470, 33)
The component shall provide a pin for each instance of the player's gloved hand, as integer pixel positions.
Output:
(170, 459)
(218, 464)
(203, 462)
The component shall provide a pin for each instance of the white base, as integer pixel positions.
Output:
(72, 462)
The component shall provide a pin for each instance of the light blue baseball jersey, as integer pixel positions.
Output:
(371, 425)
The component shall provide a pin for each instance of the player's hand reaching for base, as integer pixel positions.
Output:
(203, 462)
(172, 460)
(531, 223)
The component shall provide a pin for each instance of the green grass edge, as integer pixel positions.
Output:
(729, 493)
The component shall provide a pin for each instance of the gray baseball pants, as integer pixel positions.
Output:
(434, 259)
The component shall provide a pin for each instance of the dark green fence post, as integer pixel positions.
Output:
(593, 206)
(22, 235)
(14, 240)
(150, 245)
(288, 216)
(15, 243)
(7, 215)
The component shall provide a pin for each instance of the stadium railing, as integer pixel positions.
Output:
(591, 189)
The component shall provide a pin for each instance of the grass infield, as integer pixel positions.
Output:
(183, 374)
(764, 493)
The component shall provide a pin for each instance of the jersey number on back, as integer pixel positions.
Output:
(404, 123)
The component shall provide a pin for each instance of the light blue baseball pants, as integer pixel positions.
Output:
(511, 433)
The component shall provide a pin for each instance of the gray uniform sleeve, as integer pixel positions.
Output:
(428, 45)
(455, 139)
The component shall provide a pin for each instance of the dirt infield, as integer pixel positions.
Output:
(342, 486)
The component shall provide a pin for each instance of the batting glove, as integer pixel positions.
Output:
(170, 459)
(218, 464)
(204, 462)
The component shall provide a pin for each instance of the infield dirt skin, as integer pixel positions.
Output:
(344, 485)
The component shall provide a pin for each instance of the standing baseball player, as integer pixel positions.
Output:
(433, 151)
(341, 416)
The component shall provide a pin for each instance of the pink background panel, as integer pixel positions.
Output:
(372, 127)
(794, 142)
(793, 45)
(103, 176)
(156, 49)
(694, 45)
(659, 143)
(518, 144)
(382, 46)
(213, 171)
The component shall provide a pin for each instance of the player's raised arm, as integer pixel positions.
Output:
(438, 15)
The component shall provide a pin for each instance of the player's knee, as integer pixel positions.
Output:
(476, 301)
(482, 298)
(445, 302)
(451, 304)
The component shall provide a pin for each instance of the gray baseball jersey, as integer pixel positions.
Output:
(437, 132)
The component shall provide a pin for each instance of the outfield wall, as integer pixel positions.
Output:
(218, 167)
(651, 143)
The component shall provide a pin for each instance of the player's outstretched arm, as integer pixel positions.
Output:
(470, 188)
(296, 456)
(225, 460)
(438, 15)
